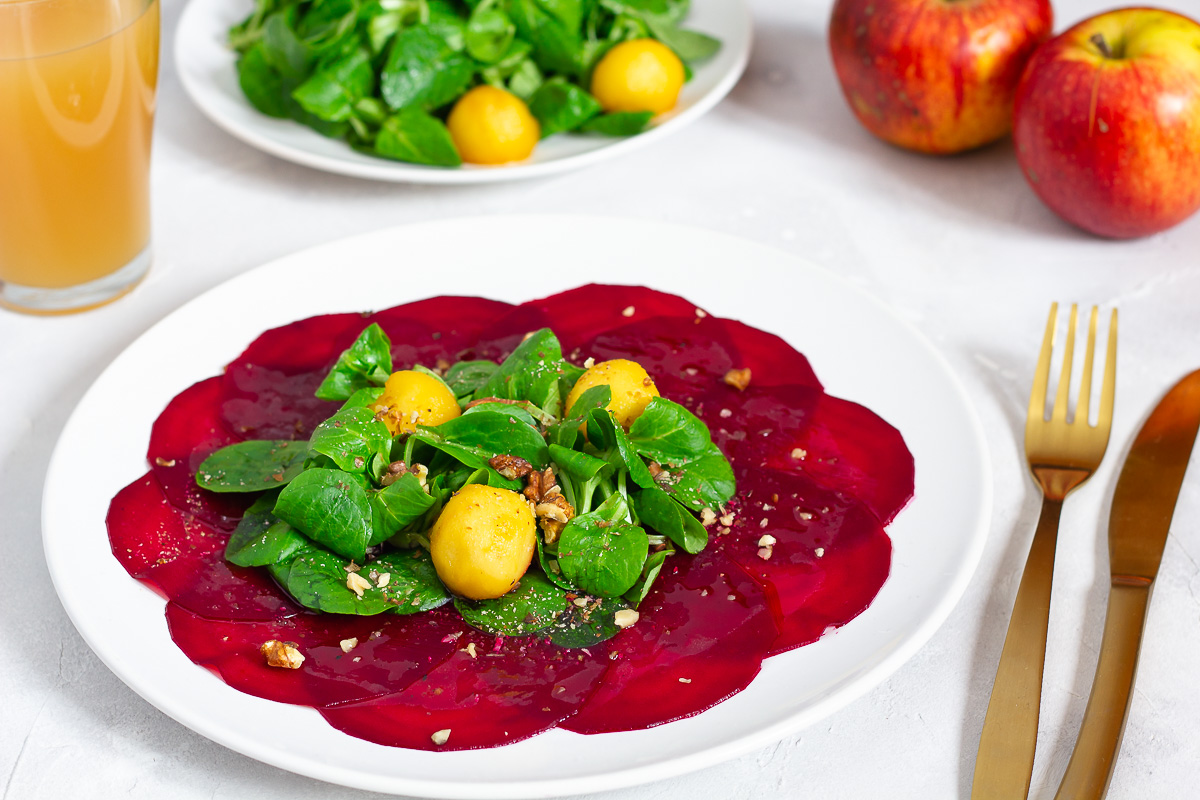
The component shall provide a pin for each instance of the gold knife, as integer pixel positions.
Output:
(1142, 506)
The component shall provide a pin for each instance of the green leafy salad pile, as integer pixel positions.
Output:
(382, 74)
(334, 506)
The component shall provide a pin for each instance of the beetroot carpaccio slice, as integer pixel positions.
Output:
(491, 691)
(817, 475)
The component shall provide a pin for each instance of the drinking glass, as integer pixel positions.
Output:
(77, 96)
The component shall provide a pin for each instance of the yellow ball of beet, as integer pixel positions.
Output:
(640, 75)
(492, 126)
(413, 398)
(483, 541)
(632, 388)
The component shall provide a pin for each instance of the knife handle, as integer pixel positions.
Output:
(1004, 766)
(1095, 754)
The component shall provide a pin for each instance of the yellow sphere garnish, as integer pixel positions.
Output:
(483, 541)
(642, 75)
(492, 126)
(413, 398)
(631, 388)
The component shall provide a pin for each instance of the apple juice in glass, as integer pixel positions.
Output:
(77, 96)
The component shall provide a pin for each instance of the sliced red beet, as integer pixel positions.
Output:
(851, 449)
(503, 334)
(829, 558)
(700, 638)
(842, 445)
(440, 328)
(185, 433)
(580, 315)
(686, 356)
(771, 360)
(496, 695)
(385, 653)
(268, 389)
(183, 559)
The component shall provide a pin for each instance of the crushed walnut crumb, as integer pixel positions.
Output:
(820, 551)
(738, 378)
(625, 617)
(440, 737)
(285, 655)
(357, 584)
(470, 650)
(627, 312)
(685, 680)
(510, 467)
(348, 644)
(799, 453)
(591, 362)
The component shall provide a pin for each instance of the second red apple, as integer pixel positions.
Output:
(937, 76)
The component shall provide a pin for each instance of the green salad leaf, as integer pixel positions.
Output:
(367, 363)
(253, 466)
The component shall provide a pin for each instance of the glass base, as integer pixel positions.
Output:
(40, 300)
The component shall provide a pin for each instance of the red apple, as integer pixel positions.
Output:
(1108, 122)
(936, 76)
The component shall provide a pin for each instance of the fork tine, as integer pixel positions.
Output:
(1085, 388)
(1110, 376)
(1059, 412)
(1041, 376)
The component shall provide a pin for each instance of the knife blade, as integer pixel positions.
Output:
(1138, 524)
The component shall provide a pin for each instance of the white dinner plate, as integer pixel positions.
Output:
(859, 348)
(207, 67)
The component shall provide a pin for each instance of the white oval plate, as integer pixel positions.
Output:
(207, 68)
(859, 348)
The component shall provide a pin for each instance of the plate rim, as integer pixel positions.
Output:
(861, 683)
(401, 172)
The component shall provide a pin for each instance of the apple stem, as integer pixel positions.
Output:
(1102, 44)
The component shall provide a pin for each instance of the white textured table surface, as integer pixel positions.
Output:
(959, 246)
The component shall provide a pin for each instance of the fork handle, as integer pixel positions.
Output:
(1004, 765)
(1095, 753)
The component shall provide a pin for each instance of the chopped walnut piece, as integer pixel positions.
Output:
(394, 472)
(383, 580)
(820, 552)
(726, 519)
(589, 363)
(285, 655)
(440, 737)
(348, 644)
(627, 311)
(551, 508)
(470, 650)
(510, 467)
(625, 617)
(765, 553)
(738, 378)
(707, 516)
(766, 540)
(357, 584)
(537, 484)
(799, 453)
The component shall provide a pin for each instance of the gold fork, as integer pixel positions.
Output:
(1062, 454)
